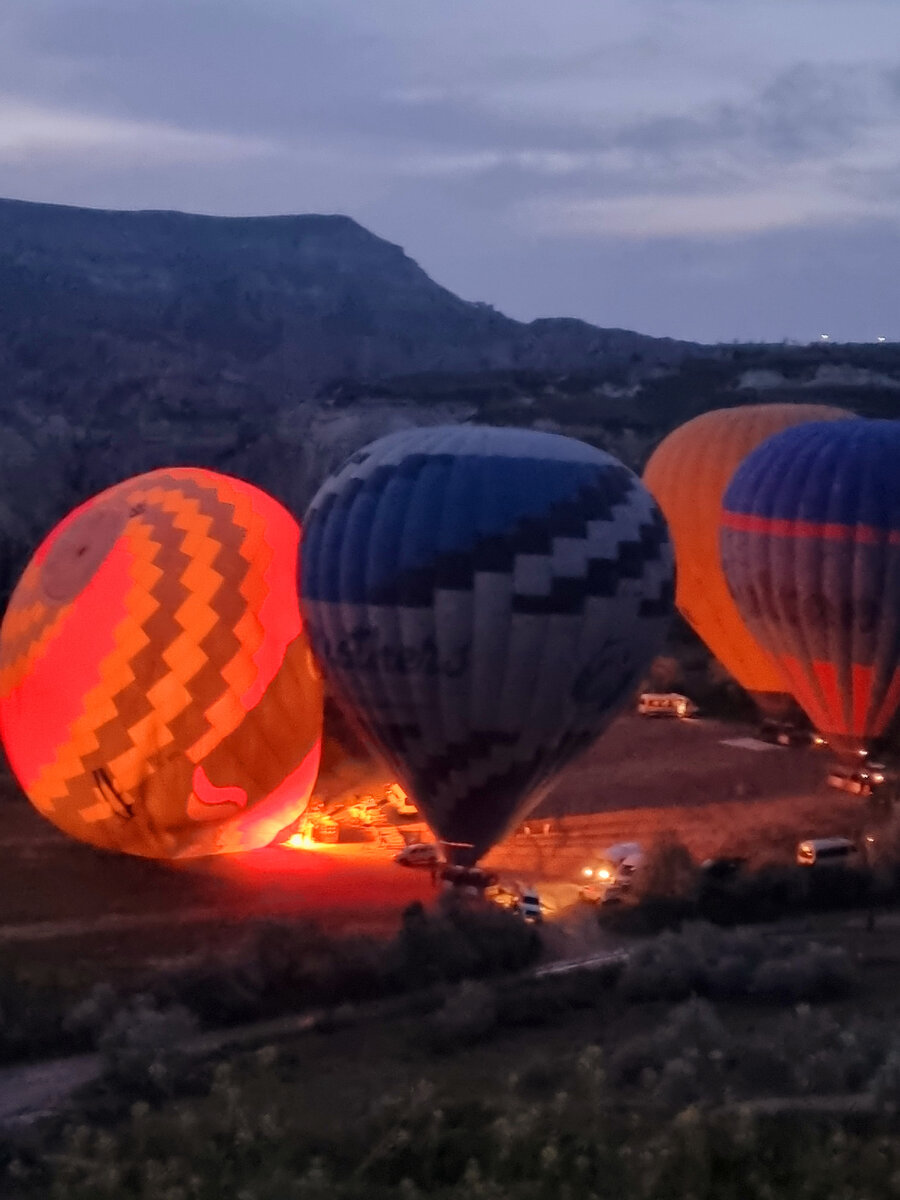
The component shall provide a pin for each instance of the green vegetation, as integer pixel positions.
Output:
(671, 888)
(584, 1090)
(278, 967)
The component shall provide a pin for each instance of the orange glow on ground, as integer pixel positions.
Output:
(301, 841)
(324, 882)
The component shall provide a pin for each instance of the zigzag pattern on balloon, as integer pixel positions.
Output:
(146, 628)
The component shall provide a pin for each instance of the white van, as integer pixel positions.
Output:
(665, 704)
(611, 868)
(624, 879)
(827, 852)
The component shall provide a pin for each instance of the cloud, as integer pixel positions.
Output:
(493, 140)
(812, 144)
(712, 215)
(29, 132)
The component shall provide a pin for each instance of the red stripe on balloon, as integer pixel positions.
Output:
(869, 535)
(287, 802)
(888, 704)
(279, 614)
(861, 685)
(213, 794)
(804, 691)
(834, 711)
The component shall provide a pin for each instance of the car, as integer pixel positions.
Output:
(827, 852)
(517, 898)
(624, 879)
(722, 868)
(786, 733)
(665, 704)
(862, 780)
(598, 876)
(530, 907)
(427, 855)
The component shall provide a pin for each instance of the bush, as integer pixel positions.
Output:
(660, 970)
(814, 973)
(143, 1048)
(468, 1015)
(884, 1084)
(33, 1019)
(460, 942)
(680, 1062)
(827, 1054)
(91, 1015)
(561, 1128)
(758, 896)
(288, 966)
(525, 1001)
(277, 967)
(668, 870)
(221, 991)
(844, 887)
(734, 964)
(652, 915)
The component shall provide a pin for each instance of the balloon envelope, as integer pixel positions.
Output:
(688, 474)
(157, 694)
(811, 549)
(484, 600)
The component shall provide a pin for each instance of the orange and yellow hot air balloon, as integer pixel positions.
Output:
(157, 693)
(688, 474)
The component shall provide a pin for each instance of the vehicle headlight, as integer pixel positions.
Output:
(603, 873)
(587, 871)
(878, 778)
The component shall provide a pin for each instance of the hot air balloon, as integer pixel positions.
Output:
(688, 474)
(811, 550)
(157, 693)
(483, 600)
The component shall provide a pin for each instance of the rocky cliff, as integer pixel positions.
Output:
(273, 347)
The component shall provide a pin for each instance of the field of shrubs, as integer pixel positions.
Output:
(652, 1078)
(712, 1059)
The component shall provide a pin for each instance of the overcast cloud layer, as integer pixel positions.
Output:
(709, 169)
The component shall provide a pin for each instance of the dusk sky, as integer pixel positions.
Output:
(705, 169)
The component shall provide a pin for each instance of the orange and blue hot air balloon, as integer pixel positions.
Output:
(810, 544)
(688, 474)
(157, 694)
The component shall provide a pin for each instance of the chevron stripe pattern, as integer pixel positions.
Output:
(485, 600)
(157, 629)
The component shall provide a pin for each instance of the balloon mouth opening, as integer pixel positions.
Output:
(79, 550)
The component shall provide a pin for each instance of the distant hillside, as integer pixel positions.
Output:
(272, 347)
(300, 300)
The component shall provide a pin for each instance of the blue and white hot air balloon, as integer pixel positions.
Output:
(484, 601)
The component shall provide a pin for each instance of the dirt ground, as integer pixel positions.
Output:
(62, 901)
(645, 762)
